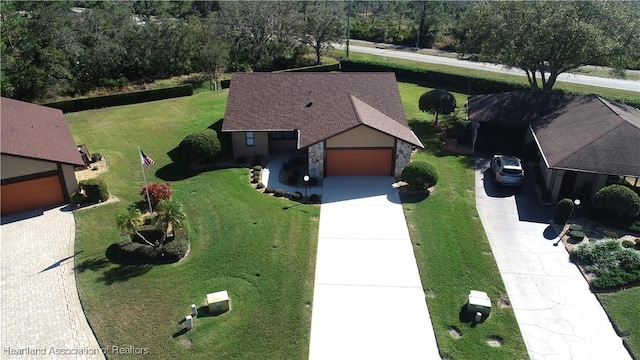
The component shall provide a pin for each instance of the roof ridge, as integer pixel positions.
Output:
(616, 110)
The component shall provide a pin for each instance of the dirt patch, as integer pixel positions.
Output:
(99, 166)
(186, 343)
(455, 332)
(495, 341)
(503, 301)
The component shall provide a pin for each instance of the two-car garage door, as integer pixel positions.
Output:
(31, 194)
(358, 162)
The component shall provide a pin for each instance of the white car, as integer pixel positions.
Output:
(507, 170)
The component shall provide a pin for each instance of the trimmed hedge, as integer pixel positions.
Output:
(420, 175)
(199, 146)
(313, 68)
(617, 200)
(134, 97)
(478, 85)
(563, 211)
(95, 189)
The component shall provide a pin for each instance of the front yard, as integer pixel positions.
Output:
(241, 241)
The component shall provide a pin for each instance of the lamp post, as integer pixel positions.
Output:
(576, 203)
(306, 181)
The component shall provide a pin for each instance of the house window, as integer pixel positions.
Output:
(248, 136)
(283, 135)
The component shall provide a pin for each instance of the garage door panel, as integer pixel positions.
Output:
(31, 194)
(359, 162)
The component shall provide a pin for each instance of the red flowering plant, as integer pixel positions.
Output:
(157, 192)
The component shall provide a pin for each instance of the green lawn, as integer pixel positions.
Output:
(452, 250)
(242, 241)
(622, 308)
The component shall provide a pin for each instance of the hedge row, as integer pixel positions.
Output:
(477, 85)
(134, 97)
(315, 68)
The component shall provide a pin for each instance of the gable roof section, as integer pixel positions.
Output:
(36, 132)
(317, 105)
(585, 133)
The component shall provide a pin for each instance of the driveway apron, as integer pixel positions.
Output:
(41, 313)
(368, 298)
(559, 317)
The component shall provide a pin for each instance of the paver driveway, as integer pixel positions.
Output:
(368, 299)
(41, 311)
(558, 315)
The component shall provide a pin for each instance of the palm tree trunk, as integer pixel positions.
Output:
(143, 238)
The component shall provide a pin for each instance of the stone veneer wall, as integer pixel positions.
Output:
(403, 156)
(315, 154)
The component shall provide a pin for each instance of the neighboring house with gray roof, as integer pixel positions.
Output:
(346, 123)
(38, 155)
(582, 142)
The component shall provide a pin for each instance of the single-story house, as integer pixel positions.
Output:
(579, 143)
(346, 123)
(38, 156)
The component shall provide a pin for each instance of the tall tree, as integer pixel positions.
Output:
(210, 52)
(548, 38)
(324, 25)
(436, 102)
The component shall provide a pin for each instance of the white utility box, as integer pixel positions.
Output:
(218, 302)
(479, 302)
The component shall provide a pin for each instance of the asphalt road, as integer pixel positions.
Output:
(407, 54)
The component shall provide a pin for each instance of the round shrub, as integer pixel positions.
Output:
(420, 175)
(628, 243)
(157, 192)
(314, 198)
(611, 234)
(96, 156)
(255, 179)
(563, 211)
(259, 185)
(95, 189)
(278, 193)
(199, 146)
(269, 190)
(297, 196)
(257, 168)
(617, 200)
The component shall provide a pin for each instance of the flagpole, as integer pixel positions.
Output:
(144, 176)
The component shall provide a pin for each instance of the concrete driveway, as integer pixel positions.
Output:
(558, 315)
(368, 299)
(41, 313)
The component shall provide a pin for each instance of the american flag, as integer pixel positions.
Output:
(145, 159)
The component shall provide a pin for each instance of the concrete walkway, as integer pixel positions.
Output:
(368, 299)
(41, 311)
(558, 315)
(270, 177)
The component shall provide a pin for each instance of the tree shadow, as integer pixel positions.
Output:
(413, 198)
(93, 264)
(59, 262)
(550, 233)
(180, 332)
(123, 273)
(175, 172)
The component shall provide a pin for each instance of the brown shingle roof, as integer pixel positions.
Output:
(37, 132)
(318, 105)
(584, 133)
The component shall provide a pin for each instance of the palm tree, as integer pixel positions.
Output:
(169, 212)
(128, 220)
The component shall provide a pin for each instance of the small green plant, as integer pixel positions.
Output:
(78, 198)
(278, 193)
(628, 244)
(94, 168)
(257, 168)
(269, 190)
(297, 196)
(611, 263)
(255, 179)
(420, 175)
(611, 234)
(96, 156)
(564, 208)
(157, 192)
